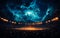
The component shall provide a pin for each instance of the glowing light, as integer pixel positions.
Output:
(46, 21)
(55, 19)
(4, 19)
(39, 23)
(29, 13)
(13, 22)
(30, 28)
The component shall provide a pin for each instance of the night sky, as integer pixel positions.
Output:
(29, 11)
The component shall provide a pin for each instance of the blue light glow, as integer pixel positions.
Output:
(26, 13)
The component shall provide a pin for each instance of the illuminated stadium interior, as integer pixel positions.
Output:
(28, 13)
(29, 18)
